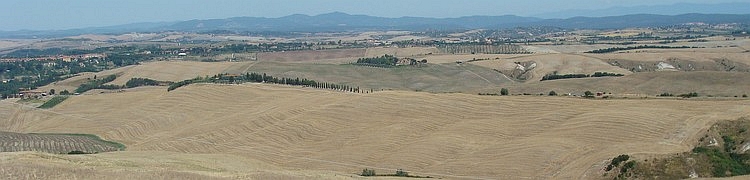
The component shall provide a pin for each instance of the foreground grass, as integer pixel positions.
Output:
(53, 102)
(720, 153)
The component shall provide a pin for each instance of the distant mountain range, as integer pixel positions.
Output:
(345, 22)
(672, 9)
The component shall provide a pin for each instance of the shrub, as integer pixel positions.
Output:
(552, 93)
(504, 91)
(588, 94)
(616, 161)
(402, 173)
(689, 95)
(77, 152)
(744, 95)
(368, 172)
(665, 94)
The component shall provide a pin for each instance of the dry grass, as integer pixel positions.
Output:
(173, 70)
(646, 84)
(442, 135)
(53, 143)
(401, 52)
(431, 78)
(306, 56)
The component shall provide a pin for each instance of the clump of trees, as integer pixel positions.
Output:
(399, 173)
(666, 94)
(588, 94)
(136, 82)
(98, 84)
(616, 161)
(604, 74)
(689, 95)
(614, 49)
(65, 92)
(368, 172)
(623, 174)
(382, 61)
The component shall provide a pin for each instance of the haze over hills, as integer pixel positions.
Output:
(338, 21)
(675, 9)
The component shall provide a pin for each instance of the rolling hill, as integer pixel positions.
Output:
(301, 131)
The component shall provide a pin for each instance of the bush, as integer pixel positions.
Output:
(368, 172)
(385, 61)
(504, 91)
(77, 152)
(744, 95)
(616, 161)
(402, 173)
(588, 94)
(552, 93)
(689, 95)
(666, 94)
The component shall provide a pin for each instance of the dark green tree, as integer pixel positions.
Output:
(368, 172)
(588, 94)
(504, 92)
(552, 93)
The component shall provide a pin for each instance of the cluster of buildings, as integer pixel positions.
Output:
(66, 58)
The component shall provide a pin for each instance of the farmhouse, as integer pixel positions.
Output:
(30, 94)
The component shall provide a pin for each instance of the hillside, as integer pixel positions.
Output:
(317, 131)
(337, 21)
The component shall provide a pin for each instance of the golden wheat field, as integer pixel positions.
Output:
(265, 131)
(260, 131)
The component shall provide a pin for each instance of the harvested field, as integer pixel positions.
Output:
(55, 143)
(401, 52)
(646, 84)
(551, 63)
(431, 78)
(428, 134)
(173, 70)
(306, 56)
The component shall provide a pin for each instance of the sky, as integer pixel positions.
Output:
(68, 14)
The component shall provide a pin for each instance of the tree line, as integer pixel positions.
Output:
(264, 78)
(136, 82)
(555, 76)
(614, 49)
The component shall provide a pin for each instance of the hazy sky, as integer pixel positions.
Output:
(66, 14)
